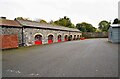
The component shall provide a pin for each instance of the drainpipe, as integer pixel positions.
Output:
(22, 36)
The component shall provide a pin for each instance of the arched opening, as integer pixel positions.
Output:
(78, 37)
(50, 39)
(38, 39)
(66, 38)
(70, 38)
(59, 38)
(74, 37)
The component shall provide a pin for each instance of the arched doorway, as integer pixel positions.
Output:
(78, 37)
(59, 38)
(50, 39)
(74, 37)
(66, 38)
(70, 38)
(38, 39)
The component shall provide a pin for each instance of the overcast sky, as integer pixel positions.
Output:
(91, 11)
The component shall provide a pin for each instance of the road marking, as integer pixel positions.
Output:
(96, 70)
(16, 71)
(32, 74)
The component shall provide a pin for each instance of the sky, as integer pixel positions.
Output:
(90, 11)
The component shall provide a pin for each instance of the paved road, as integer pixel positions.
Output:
(84, 58)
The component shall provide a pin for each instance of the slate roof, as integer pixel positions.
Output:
(6, 22)
(27, 23)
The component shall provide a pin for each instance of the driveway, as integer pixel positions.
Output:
(82, 58)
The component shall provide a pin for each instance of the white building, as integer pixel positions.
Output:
(114, 33)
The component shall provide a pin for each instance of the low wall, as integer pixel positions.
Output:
(95, 34)
(9, 41)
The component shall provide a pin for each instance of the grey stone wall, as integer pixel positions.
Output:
(29, 35)
(95, 34)
(11, 30)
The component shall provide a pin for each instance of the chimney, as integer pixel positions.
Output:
(2, 17)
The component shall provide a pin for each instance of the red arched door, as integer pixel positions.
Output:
(50, 39)
(66, 38)
(38, 39)
(59, 38)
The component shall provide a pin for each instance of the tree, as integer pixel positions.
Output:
(21, 18)
(85, 27)
(43, 21)
(98, 30)
(40, 20)
(116, 21)
(51, 22)
(104, 25)
(64, 22)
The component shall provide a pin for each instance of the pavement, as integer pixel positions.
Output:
(81, 58)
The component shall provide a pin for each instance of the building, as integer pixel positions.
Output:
(10, 33)
(114, 33)
(33, 33)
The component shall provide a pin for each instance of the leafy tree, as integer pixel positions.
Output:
(104, 25)
(51, 22)
(40, 20)
(21, 18)
(116, 21)
(85, 27)
(65, 22)
(98, 30)
(43, 21)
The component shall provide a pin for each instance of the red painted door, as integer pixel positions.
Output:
(50, 41)
(38, 42)
(59, 40)
(38, 39)
(66, 39)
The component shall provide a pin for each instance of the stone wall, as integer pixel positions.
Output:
(95, 34)
(29, 35)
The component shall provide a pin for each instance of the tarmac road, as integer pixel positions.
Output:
(82, 58)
